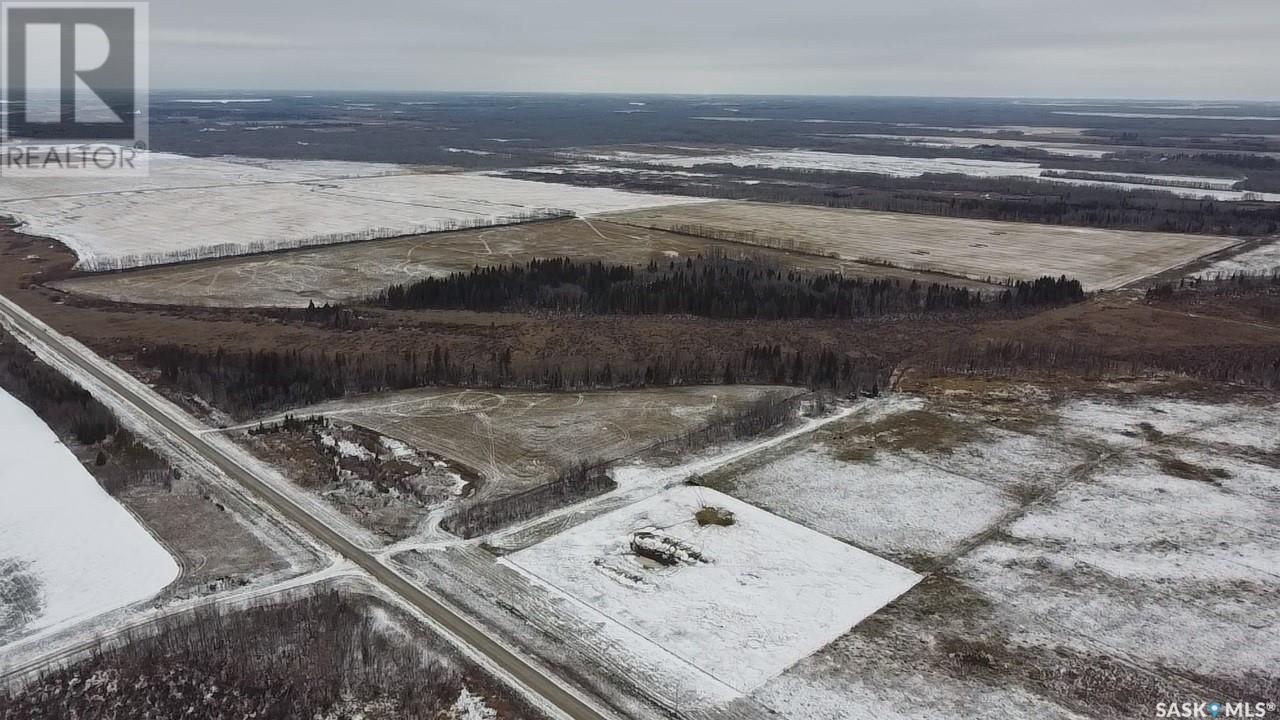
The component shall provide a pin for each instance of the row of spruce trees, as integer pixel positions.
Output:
(714, 287)
(249, 383)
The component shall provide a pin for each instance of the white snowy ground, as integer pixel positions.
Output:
(190, 208)
(915, 167)
(1120, 560)
(767, 592)
(894, 505)
(942, 141)
(86, 553)
(1264, 258)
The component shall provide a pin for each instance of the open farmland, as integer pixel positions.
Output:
(514, 440)
(938, 141)
(740, 603)
(167, 171)
(1217, 188)
(980, 249)
(218, 208)
(68, 551)
(1263, 257)
(353, 271)
(1085, 554)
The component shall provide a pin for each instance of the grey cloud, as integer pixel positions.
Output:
(1122, 48)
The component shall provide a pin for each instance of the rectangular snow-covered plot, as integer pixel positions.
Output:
(134, 229)
(200, 208)
(1136, 423)
(489, 190)
(892, 504)
(1177, 572)
(68, 551)
(874, 164)
(1185, 186)
(741, 602)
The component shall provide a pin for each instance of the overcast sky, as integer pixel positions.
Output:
(1041, 48)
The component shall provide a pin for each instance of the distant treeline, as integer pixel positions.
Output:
(1174, 182)
(1262, 172)
(715, 287)
(323, 657)
(247, 383)
(1011, 199)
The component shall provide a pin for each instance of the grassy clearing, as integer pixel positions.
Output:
(516, 440)
(919, 430)
(342, 273)
(977, 249)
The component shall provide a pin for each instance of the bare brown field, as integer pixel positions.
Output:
(1117, 325)
(341, 273)
(977, 249)
(514, 440)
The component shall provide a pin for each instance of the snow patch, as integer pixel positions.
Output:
(470, 706)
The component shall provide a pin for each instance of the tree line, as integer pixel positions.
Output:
(323, 656)
(1171, 182)
(1236, 283)
(75, 416)
(252, 382)
(1257, 366)
(582, 481)
(715, 287)
(64, 406)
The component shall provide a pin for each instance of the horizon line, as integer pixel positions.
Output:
(624, 93)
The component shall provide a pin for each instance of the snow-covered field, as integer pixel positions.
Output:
(1262, 259)
(1105, 532)
(68, 551)
(843, 162)
(193, 208)
(940, 141)
(1219, 188)
(742, 604)
(893, 505)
